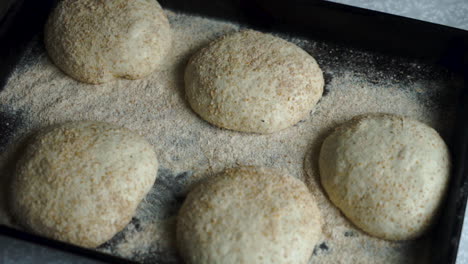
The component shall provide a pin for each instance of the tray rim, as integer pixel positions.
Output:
(20, 15)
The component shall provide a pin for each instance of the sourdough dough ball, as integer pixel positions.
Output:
(95, 41)
(81, 182)
(388, 174)
(253, 82)
(248, 215)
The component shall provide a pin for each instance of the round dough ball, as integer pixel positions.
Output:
(81, 182)
(248, 215)
(253, 82)
(95, 41)
(388, 174)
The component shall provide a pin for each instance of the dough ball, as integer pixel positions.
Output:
(253, 82)
(95, 41)
(248, 215)
(388, 174)
(81, 182)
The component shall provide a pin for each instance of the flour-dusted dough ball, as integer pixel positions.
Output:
(248, 215)
(81, 182)
(253, 82)
(95, 41)
(388, 174)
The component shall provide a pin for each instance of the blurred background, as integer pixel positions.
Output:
(446, 12)
(452, 13)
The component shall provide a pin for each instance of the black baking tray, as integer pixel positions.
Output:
(319, 20)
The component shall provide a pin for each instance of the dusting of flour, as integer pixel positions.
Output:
(188, 148)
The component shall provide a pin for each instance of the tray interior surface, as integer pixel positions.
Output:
(357, 82)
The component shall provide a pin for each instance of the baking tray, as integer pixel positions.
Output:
(356, 28)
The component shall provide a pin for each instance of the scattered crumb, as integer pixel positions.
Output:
(188, 148)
